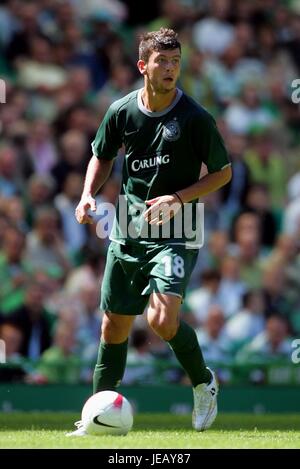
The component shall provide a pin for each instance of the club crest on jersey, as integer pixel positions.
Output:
(171, 131)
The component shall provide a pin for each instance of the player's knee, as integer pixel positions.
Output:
(112, 331)
(162, 325)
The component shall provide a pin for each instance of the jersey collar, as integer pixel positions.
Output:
(144, 110)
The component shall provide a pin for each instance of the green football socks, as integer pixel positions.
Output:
(110, 366)
(188, 352)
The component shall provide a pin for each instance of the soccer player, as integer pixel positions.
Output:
(167, 137)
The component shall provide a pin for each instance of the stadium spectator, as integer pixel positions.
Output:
(213, 34)
(14, 269)
(267, 166)
(212, 337)
(73, 158)
(271, 344)
(195, 81)
(88, 273)
(248, 113)
(257, 201)
(120, 83)
(200, 299)
(89, 322)
(39, 194)
(34, 321)
(140, 361)
(75, 236)
(249, 321)
(291, 218)
(13, 208)
(246, 233)
(171, 14)
(9, 184)
(275, 289)
(14, 368)
(45, 244)
(58, 364)
(232, 287)
(41, 147)
(26, 27)
(12, 336)
(39, 72)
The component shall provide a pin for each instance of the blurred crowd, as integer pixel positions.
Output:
(63, 63)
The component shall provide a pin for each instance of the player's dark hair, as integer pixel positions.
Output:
(164, 39)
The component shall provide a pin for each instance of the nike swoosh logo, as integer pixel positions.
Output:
(130, 133)
(96, 421)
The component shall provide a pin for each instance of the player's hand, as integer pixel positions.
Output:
(161, 209)
(81, 213)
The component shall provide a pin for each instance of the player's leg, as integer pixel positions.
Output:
(171, 267)
(111, 362)
(163, 317)
(122, 300)
(118, 295)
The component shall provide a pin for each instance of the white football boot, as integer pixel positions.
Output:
(80, 430)
(205, 404)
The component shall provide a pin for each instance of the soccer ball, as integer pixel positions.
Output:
(107, 413)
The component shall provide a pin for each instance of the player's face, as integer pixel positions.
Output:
(162, 70)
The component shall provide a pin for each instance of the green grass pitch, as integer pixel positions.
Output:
(155, 431)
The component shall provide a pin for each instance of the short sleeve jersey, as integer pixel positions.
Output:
(164, 152)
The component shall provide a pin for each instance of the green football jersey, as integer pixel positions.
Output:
(164, 152)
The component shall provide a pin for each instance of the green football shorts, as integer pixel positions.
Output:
(133, 272)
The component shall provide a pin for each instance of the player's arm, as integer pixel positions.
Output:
(207, 184)
(97, 173)
(210, 145)
(105, 148)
